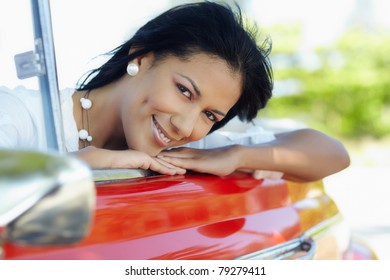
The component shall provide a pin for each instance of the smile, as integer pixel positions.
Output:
(162, 138)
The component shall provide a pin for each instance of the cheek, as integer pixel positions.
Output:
(160, 104)
(163, 102)
(201, 130)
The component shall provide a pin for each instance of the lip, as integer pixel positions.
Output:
(157, 129)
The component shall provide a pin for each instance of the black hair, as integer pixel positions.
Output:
(205, 27)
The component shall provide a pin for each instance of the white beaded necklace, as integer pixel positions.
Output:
(86, 104)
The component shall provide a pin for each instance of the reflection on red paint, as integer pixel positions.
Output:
(194, 216)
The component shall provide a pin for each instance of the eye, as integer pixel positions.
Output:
(211, 116)
(184, 91)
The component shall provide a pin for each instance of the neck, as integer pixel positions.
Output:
(104, 120)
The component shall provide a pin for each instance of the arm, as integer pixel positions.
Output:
(302, 155)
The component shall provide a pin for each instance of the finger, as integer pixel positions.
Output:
(186, 163)
(179, 153)
(166, 164)
(174, 155)
(157, 167)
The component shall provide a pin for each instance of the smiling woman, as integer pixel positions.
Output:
(175, 100)
(183, 75)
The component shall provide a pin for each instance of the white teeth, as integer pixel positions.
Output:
(166, 139)
(162, 135)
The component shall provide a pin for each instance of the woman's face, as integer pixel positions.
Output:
(176, 101)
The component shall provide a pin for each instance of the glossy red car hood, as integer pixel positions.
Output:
(194, 216)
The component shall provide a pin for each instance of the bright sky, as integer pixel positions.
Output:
(84, 29)
(322, 20)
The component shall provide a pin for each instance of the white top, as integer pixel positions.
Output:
(22, 122)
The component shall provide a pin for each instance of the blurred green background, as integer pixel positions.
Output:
(342, 89)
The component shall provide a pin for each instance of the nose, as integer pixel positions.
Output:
(184, 123)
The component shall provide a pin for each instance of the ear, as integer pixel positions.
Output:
(144, 61)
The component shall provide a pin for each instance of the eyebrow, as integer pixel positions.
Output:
(197, 91)
(219, 112)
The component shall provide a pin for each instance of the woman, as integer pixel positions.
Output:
(183, 75)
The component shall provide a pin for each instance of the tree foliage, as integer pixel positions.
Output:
(348, 94)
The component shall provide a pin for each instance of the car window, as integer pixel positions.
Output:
(34, 63)
(85, 30)
(16, 36)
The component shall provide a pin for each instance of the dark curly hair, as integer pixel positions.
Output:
(205, 27)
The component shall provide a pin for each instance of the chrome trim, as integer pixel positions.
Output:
(114, 175)
(48, 85)
(25, 178)
(308, 246)
(46, 199)
(1, 250)
(2, 230)
(28, 64)
(301, 248)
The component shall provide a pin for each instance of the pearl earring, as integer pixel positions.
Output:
(132, 69)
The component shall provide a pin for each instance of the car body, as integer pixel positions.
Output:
(201, 216)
